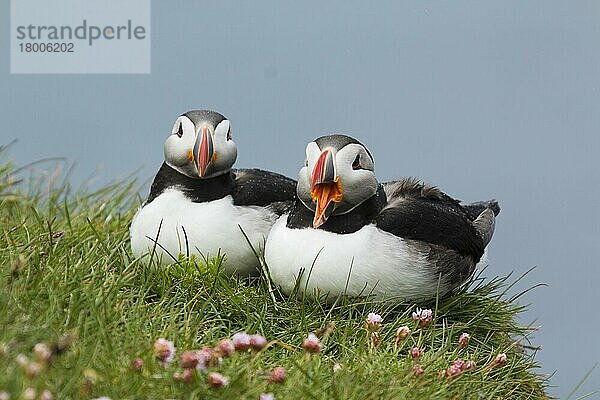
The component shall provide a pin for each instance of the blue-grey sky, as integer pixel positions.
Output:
(486, 100)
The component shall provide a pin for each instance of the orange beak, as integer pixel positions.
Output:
(326, 189)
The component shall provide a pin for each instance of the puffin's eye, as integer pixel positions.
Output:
(179, 130)
(306, 163)
(356, 164)
(229, 134)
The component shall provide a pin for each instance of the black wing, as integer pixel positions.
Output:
(262, 188)
(420, 212)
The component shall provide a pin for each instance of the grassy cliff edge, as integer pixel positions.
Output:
(69, 281)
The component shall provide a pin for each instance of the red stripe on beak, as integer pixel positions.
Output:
(204, 151)
(319, 173)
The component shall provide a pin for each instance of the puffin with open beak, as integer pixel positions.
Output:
(347, 234)
(199, 205)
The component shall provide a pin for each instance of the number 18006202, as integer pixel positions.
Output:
(47, 47)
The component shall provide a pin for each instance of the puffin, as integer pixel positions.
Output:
(349, 235)
(198, 205)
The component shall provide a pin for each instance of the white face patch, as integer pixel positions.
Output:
(358, 184)
(179, 147)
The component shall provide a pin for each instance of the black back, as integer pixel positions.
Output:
(260, 188)
(420, 212)
(248, 187)
(410, 210)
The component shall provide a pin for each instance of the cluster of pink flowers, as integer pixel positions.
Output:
(29, 394)
(194, 362)
(202, 359)
(457, 367)
(41, 358)
(422, 316)
(242, 341)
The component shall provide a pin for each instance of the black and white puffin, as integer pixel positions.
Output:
(197, 203)
(401, 240)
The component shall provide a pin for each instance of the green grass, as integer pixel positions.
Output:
(66, 269)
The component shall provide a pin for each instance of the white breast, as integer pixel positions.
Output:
(210, 227)
(375, 261)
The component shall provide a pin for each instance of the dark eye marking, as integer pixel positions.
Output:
(356, 164)
(179, 130)
(229, 133)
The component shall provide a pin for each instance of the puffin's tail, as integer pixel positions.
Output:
(484, 218)
(475, 209)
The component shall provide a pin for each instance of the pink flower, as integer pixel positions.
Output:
(22, 360)
(374, 322)
(415, 352)
(217, 380)
(29, 394)
(46, 395)
(417, 369)
(423, 317)
(277, 375)
(187, 376)
(463, 340)
(136, 364)
(225, 348)
(4, 395)
(453, 370)
(42, 352)
(500, 359)
(469, 365)
(207, 358)
(189, 359)
(266, 396)
(312, 344)
(401, 334)
(456, 368)
(241, 341)
(33, 369)
(257, 342)
(164, 351)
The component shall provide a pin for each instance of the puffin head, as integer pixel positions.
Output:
(338, 175)
(200, 145)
